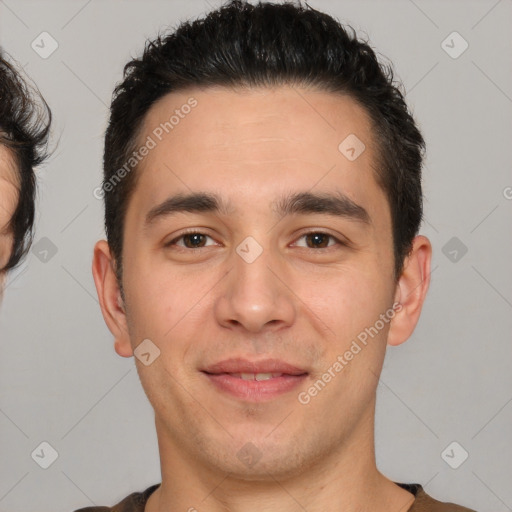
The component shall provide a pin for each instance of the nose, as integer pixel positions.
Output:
(254, 296)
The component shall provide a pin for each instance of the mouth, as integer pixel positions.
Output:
(253, 376)
(254, 381)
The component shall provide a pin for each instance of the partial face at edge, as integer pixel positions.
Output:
(317, 282)
(8, 201)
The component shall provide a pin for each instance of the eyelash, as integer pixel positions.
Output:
(331, 237)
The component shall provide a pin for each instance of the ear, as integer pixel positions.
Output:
(109, 295)
(411, 291)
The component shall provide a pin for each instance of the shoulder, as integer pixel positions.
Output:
(135, 502)
(425, 503)
(94, 509)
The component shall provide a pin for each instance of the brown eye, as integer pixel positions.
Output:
(318, 240)
(194, 240)
(190, 241)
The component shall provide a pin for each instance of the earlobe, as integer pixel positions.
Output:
(109, 295)
(411, 291)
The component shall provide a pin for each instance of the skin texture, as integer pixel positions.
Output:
(296, 302)
(8, 201)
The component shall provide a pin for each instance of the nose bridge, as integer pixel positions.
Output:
(253, 297)
(252, 277)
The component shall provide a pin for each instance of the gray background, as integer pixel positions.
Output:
(60, 379)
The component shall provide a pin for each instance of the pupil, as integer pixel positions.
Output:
(193, 240)
(318, 239)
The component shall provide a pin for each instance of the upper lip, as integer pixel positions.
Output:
(240, 365)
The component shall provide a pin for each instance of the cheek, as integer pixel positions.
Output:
(164, 301)
(6, 247)
(346, 301)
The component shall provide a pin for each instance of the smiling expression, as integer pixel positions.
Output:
(251, 238)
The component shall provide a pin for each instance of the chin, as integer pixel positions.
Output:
(253, 457)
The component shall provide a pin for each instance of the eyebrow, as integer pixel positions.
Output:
(337, 204)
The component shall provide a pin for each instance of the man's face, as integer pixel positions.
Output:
(300, 289)
(8, 202)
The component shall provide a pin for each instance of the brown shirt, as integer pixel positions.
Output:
(423, 503)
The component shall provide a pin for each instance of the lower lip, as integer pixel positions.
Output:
(253, 390)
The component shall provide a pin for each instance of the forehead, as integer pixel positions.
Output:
(257, 142)
(8, 170)
(257, 118)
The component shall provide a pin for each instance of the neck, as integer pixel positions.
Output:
(346, 479)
